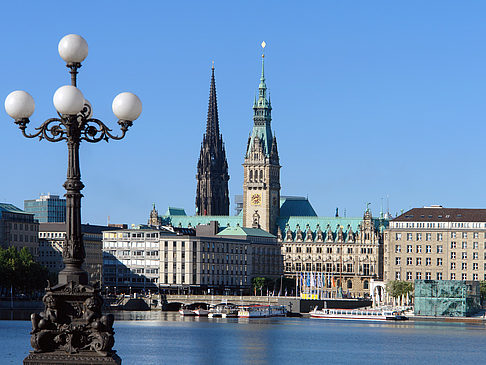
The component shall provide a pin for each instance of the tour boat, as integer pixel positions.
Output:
(255, 311)
(226, 311)
(201, 312)
(358, 314)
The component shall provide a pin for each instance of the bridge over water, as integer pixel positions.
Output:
(175, 301)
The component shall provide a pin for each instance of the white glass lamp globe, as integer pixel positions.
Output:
(68, 100)
(127, 106)
(19, 104)
(73, 48)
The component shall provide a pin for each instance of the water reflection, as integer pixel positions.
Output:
(166, 338)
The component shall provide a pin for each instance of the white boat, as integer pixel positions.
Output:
(186, 312)
(358, 314)
(201, 312)
(223, 311)
(259, 311)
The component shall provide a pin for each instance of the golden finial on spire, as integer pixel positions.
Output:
(212, 64)
(263, 49)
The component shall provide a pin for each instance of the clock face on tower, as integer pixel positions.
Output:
(256, 199)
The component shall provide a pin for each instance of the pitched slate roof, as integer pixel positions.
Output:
(439, 213)
(10, 208)
(6, 207)
(243, 231)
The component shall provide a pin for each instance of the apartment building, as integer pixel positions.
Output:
(51, 240)
(436, 243)
(202, 258)
(18, 228)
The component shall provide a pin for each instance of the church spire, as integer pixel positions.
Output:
(212, 124)
(212, 197)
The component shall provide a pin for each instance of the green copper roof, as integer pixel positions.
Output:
(296, 206)
(6, 207)
(194, 220)
(235, 223)
(243, 231)
(175, 211)
(323, 222)
(262, 118)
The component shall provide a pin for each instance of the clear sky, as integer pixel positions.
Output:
(370, 99)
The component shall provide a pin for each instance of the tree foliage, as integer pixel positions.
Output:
(19, 271)
(258, 283)
(482, 290)
(398, 288)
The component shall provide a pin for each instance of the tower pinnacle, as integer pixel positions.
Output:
(212, 197)
(261, 184)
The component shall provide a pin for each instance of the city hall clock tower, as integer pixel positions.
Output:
(261, 180)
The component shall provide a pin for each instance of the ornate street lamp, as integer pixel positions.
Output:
(72, 329)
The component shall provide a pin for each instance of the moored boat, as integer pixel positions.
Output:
(201, 312)
(223, 311)
(358, 314)
(184, 311)
(260, 311)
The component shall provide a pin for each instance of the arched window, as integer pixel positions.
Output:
(350, 284)
(366, 284)
(251, 175)
(261, 175)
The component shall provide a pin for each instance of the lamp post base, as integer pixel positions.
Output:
(72, 329)
(61, 358)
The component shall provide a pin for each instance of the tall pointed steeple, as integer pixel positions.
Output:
(212, 196)
(262, 115)
(261, 182)
(212, 124)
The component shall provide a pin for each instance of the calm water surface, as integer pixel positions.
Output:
(166, 338)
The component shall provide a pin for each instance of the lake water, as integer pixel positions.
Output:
(166, 338)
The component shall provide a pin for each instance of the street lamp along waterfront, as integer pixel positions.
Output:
(72, 329)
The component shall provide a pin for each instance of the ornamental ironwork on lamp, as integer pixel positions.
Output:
(72, 329)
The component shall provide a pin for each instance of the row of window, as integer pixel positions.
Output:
(52, 234)
(428, 236)
(22, 226)
(439, 276)
(439, 262)
(22, 238)
(475, 255)
(418, 249)
(309, 249)
(328, 267)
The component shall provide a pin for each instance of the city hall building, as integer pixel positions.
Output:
(436, 243)
(348, 251)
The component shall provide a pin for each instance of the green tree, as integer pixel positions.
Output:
(398, 288)
(19, 271)
(258, 283)
(482, 290)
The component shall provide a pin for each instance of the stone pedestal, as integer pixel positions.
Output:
(72, 329)
(61, 358)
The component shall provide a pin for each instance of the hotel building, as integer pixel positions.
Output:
(182, 258)
(436, 243)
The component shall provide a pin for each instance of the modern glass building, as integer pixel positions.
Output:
(47, 208)
(446, 298)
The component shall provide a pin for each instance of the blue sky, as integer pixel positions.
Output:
(370, 99)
